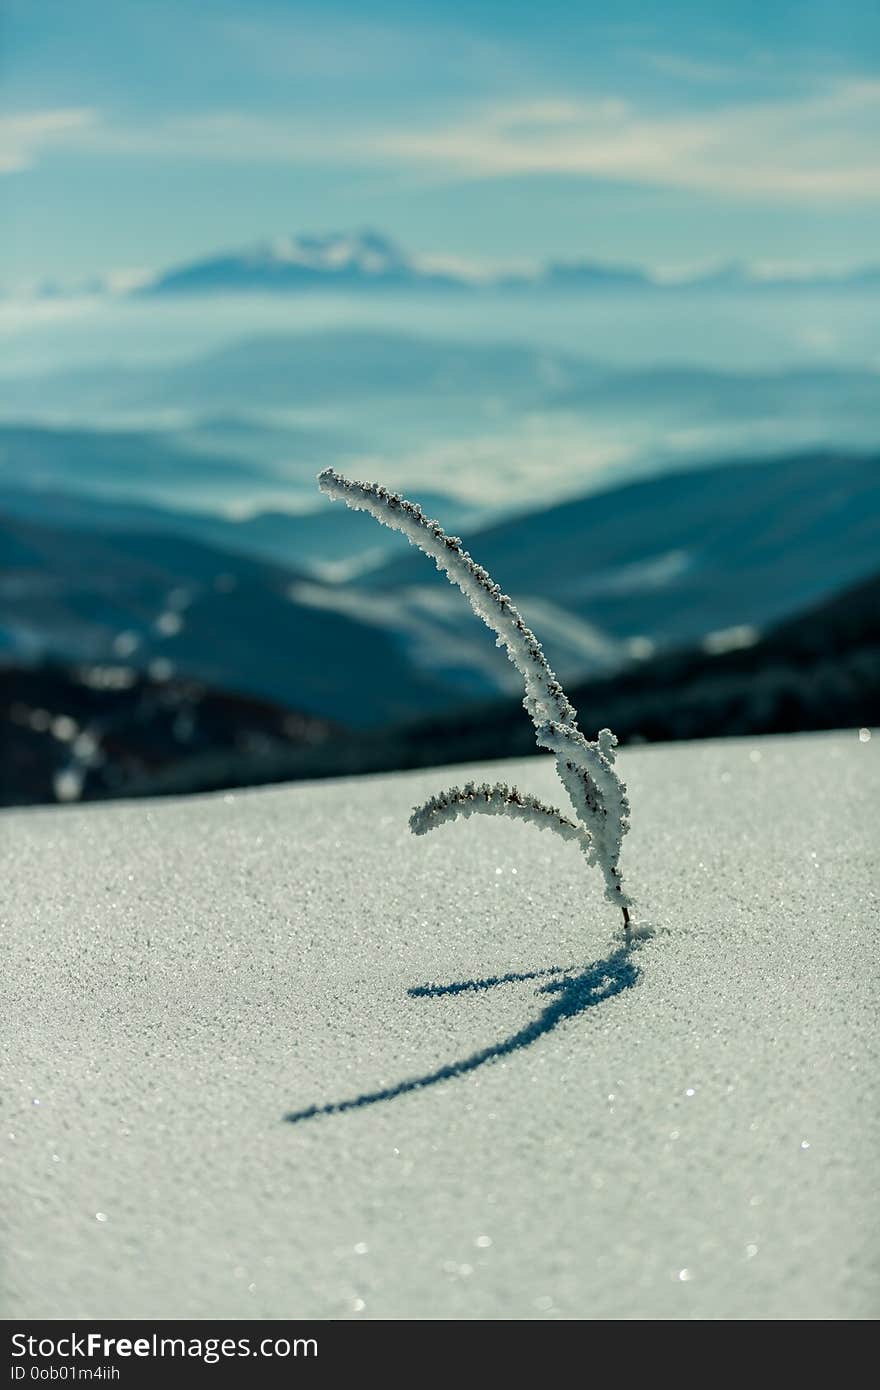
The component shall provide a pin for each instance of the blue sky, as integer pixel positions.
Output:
(139, 133)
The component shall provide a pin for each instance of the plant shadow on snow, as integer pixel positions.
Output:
(570, 995)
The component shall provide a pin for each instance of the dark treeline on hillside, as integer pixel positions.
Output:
(79, 734)
(818, 671)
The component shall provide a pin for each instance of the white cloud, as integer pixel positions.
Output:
(24, 136)
(216, 135)
(817, 147)
(698, 70)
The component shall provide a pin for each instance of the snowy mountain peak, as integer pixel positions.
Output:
(369, 252)
(359, 259)
(366, 259)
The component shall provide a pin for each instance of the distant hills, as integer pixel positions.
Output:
(160, 598)
(72, 733)
(101, 480)
(330, 368)
(348, 370)
(713, 555)
(231, 622)
(374, 385)
(670, 558)
(496, 424)
(115, 462)
(370, 261)
(817, 670)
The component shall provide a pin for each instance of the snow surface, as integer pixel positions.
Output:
(689, 1131)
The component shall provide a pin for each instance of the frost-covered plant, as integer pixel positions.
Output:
(585, 769)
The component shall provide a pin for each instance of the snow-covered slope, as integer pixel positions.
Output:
(690, 1130)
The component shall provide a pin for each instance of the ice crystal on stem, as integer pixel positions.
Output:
(585, 769)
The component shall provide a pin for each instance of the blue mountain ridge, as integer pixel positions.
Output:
(370, 260)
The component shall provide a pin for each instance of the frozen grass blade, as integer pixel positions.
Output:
(496, 800)
(585, 769)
